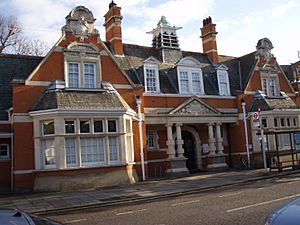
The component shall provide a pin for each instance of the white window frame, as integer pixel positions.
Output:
(155, 68)
(7, 152)
(42, 127)
(67, 75)
(222, 72)
(268, 78)
(155, 140)
(190, 71)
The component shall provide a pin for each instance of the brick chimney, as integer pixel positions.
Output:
(209, 42)
(113, 28)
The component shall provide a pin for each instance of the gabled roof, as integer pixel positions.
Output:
(287, 69)
(13, 67)
(194, 107)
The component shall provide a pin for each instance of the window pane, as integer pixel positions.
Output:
(265, 86)
(113, 148)
(275, 122)
(288, 122)
(73, 75)
(84, 126)
(112, 126)
(196, 82)
(92, 149)
(282, 122)
(272, 87)
(151, 139)
(128, 127)
(98, 126)
(151, 80)
(4, 152)
(184, 82)
(89, 75)
(48, 127)
(48, 151)
(70, 127)
(70, 151)
(223, 84)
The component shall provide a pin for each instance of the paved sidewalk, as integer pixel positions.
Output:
(45, 202)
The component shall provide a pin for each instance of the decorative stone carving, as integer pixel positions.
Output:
(80, 22)
(195, 108)
(263, 48)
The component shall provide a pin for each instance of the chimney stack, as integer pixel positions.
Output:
(113, 29)
(209, 42)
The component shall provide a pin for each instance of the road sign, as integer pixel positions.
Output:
(255, 116)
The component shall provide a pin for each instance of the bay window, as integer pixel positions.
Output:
(86, 142)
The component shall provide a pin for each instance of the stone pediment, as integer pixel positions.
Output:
(194, 107)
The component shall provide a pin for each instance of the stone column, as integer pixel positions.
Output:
(211, 140)
(219, 138)
(170, 141)
(179, 140)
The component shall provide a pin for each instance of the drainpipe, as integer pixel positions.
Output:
(12, 162)
(138, 103)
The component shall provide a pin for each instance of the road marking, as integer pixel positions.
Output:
(237, 193)
(75, 221)
(130, 212)
(262, 203)
(185, 203)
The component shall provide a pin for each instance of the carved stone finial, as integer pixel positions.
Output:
(264, 47)
(112, 4)
(80, 22)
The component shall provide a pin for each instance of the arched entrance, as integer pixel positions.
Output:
(189, 150)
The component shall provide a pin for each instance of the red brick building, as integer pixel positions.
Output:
(94, 113)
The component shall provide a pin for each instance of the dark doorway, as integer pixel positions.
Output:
(189, 150)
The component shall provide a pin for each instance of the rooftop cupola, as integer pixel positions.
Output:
(165, 39)
(164, 35)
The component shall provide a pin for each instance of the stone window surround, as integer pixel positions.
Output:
(151, 66)
(227, 81)
(81, 58)
(268, 76)
(60, 135)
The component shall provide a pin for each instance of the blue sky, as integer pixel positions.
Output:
(240, 23)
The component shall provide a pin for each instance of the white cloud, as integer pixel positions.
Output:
(280, 10)
(238, 32)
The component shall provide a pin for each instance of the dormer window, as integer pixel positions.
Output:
(82, 67)
(190, 77)
(151, 79)
(223, 81)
